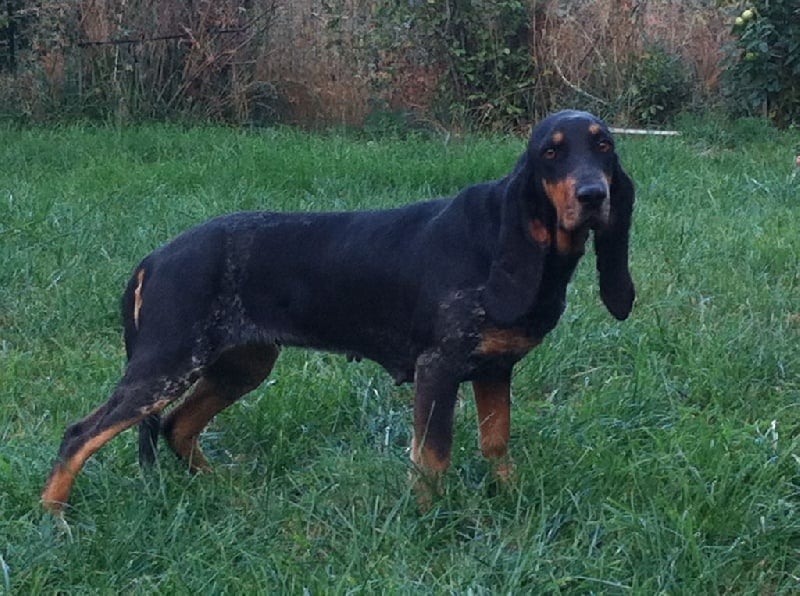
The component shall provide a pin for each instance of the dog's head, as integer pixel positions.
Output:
(567, 183)
(573, 166)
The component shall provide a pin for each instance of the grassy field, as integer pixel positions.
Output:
(659, 455)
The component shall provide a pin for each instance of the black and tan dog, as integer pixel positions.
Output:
(438, 293)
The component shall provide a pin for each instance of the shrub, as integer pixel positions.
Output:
(503, 63)
(483, 47)
(763, 61)
(660, 86)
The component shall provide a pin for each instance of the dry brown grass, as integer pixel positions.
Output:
(590, 45)
(315, 62)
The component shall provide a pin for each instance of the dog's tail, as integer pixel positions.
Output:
(131, 305)
(149, 429)
(132, 301)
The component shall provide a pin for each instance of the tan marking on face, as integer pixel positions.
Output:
(495, 342)
(137, 298)
(59, 485)
(539, 232)
(557, 138)
(594, 128)
(563, 198)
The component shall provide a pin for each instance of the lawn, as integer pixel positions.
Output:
(658, 455)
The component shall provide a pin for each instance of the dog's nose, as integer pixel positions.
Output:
(592, 194)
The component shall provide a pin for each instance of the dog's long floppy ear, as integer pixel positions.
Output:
(517, 265)
(611, 247)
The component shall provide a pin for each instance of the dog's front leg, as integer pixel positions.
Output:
(493, 399)
(436, 391)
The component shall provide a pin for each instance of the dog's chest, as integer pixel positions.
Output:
(505, 343)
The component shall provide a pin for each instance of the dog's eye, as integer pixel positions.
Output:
(549, 153)
(604, 145)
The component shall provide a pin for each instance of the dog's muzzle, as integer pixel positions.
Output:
(594, 199)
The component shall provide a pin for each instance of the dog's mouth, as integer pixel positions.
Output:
(577, 215)
(596, 218)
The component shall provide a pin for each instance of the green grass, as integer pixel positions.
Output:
(659, 455)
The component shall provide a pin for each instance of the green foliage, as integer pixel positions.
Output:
(502, 61)
(660, 85)
(763, 74)
(655, 456)
(485, 47)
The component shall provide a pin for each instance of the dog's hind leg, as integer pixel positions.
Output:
(136, 397)
(236, 372)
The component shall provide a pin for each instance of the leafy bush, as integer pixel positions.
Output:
(660, 86)
(503, 63)
(763, 74)
(483, 46)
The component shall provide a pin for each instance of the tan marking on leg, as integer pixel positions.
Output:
(426, 477)
(56, 492)
(187, 421)
(137, 297)
(539, 232)
(246, 367)
(494, 416)
(493, 401)
(59, 484)
(426, 459)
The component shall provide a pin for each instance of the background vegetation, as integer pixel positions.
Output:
(763, 74)
(659, 455)
(439, 64)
